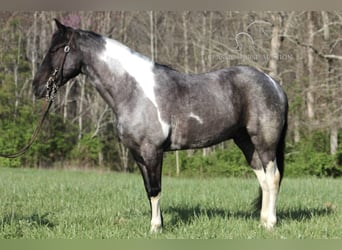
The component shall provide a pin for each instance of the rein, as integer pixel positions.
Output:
(51, 90)
(23, 150)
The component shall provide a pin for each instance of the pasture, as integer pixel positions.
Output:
(73, 204)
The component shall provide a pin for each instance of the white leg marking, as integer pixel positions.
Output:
(196, 117)
(261, 175)
(272, 179)
(122, 59)
(156, 221)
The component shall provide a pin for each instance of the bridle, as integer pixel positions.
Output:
(51, 86)
(51, 90)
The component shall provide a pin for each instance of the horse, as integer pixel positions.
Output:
(160, 109)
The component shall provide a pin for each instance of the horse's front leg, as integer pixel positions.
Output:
(149, 160)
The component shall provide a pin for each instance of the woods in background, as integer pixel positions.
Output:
(302, 50)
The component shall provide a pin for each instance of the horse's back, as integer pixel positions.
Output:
(204, 109)
(238, 89)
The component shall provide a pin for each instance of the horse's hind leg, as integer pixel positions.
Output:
(149, 161)
(265, 168)
(271, 179)
(243, 141)
(266, 143)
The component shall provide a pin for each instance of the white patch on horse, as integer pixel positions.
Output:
(122, 59)
(269, 182)
(156, 222)
(276, 85)
(196, 117)
(261, 175)
(272, 180)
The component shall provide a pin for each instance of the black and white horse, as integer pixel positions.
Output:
(159, 109)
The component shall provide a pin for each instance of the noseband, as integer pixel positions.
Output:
(51, 90)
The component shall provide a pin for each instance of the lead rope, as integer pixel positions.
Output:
(47, 105)
(51, 90)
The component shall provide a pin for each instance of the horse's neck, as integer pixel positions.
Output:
(116, 70)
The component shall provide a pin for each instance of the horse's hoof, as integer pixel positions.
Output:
(269, 225)
(157, 228)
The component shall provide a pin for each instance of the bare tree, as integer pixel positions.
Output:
(192, 42)
(275, 44)
(309, 93)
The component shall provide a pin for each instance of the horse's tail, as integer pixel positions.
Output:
(280, 154)
(281, 149)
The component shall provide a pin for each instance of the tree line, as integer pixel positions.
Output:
(302, 50)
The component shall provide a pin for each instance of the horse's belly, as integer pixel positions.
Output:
(196, 133)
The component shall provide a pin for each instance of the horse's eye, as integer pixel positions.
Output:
(53, 50)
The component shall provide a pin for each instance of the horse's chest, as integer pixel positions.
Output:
(133, 130)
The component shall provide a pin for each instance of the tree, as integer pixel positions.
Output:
(300, 49)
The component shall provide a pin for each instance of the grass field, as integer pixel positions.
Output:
(44, 204)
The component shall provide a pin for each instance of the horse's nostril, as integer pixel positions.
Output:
(39, 91)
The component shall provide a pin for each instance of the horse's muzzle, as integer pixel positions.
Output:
(39, 90)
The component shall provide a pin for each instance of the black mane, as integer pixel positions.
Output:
(165, 66)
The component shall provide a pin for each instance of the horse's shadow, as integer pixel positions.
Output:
(34, 219)
(303, 214)
(187, 215)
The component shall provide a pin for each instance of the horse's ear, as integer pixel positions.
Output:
(60, 26)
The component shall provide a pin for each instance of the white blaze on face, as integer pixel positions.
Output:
(122, 59)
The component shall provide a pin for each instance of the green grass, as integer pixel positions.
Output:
(43, 204)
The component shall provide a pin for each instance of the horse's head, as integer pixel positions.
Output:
(67, 62)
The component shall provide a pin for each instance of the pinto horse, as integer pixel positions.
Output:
(159, 109)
